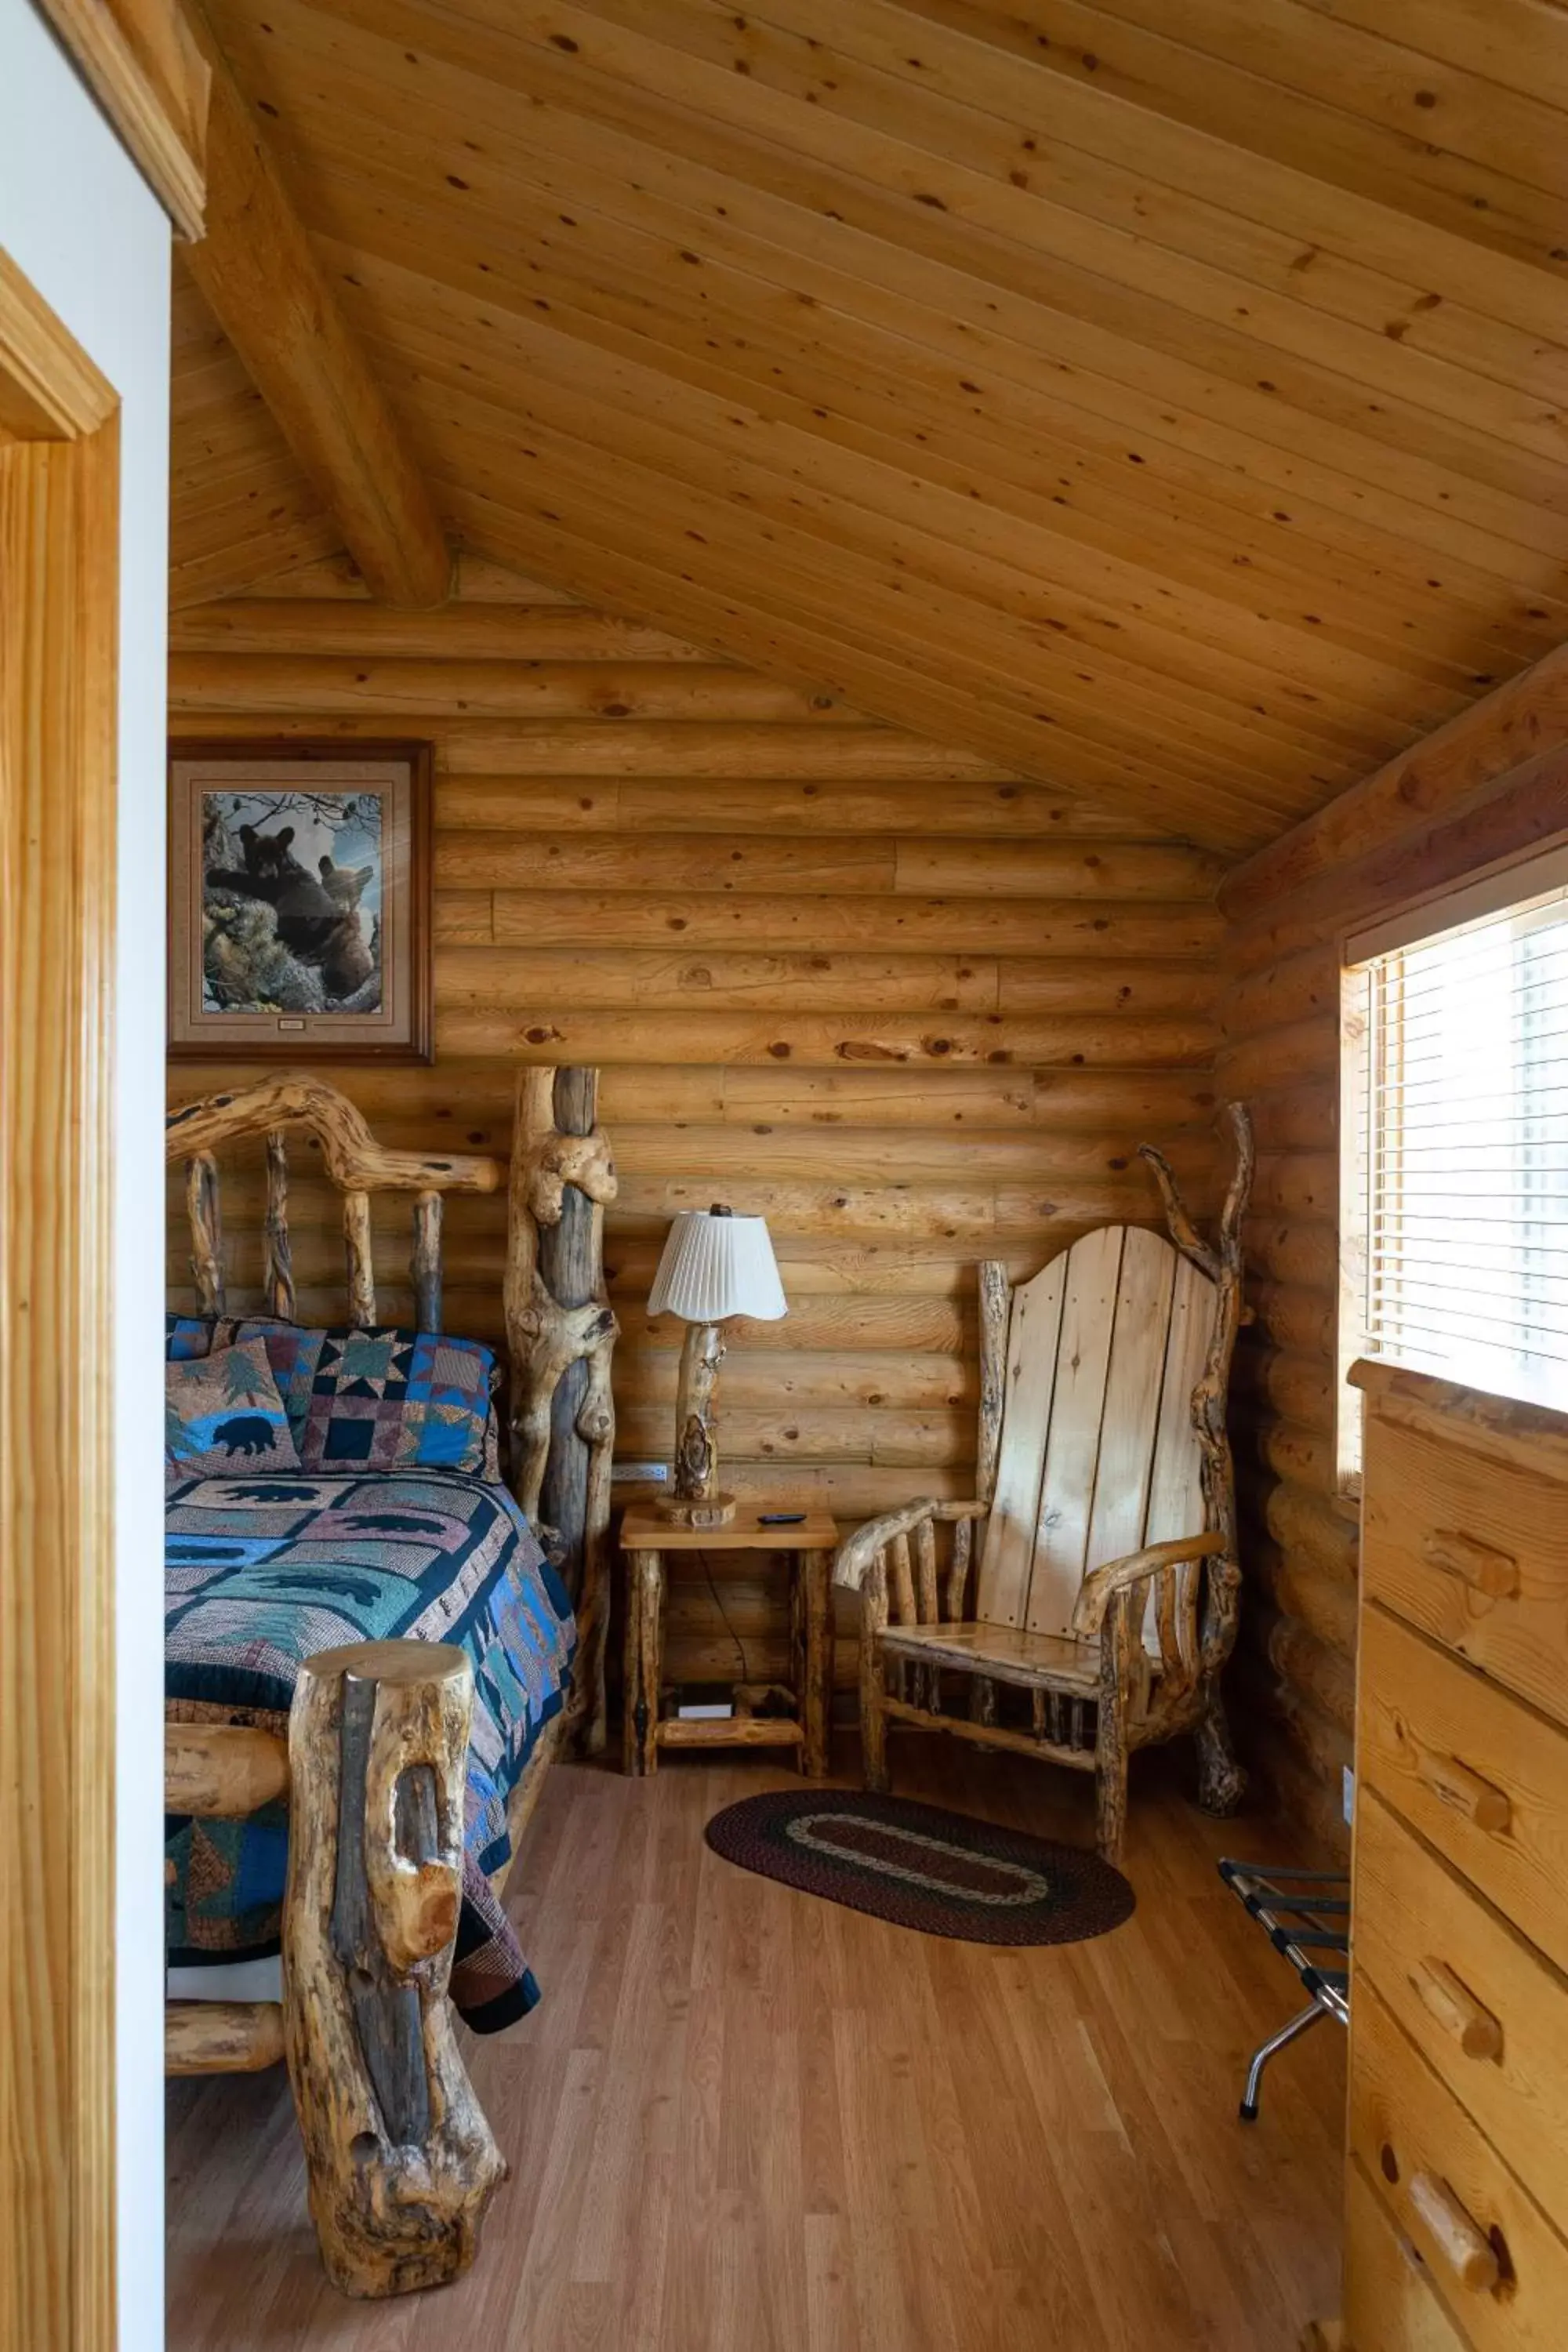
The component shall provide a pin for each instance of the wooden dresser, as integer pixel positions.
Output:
(1457, 2223)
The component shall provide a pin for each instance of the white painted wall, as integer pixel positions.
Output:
(78, 219)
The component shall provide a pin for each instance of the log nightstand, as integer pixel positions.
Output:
(808, 1546)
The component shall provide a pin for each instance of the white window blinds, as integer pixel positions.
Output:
(1461, 1146)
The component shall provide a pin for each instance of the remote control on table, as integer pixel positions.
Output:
(780, 1519)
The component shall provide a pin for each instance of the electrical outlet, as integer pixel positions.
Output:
(639, 1474)
(1348, 1792)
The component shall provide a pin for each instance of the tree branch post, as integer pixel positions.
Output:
(561, 1334)
(1221, 1779)
(401, 2161)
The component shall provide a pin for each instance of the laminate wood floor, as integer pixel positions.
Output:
(746, 2120)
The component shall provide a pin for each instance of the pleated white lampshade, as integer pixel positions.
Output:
(716, 1265)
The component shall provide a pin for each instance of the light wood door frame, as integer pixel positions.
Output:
(59, 543)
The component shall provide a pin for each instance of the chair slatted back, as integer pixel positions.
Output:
(355, 1164)
(1099, 1452)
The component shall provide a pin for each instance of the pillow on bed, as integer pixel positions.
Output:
(223, 1413)
(385, 1399)
(294, 1351)
(187, 1338)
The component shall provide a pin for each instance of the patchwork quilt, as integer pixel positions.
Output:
(261, 1573)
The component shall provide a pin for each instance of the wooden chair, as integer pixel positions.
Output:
(1108, 1579)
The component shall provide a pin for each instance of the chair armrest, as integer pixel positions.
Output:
(1117, 1575)
(858, 1552)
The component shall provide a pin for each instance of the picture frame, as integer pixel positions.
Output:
(299, 889)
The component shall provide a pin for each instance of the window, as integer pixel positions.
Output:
(1455, 1223)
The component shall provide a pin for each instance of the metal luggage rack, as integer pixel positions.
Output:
(1307, 1915)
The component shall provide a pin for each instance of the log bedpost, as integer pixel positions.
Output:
(571, 1261)
(400, 2158)
(560, 1334)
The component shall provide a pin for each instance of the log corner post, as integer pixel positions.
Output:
(401, 2160)
(561, 1333)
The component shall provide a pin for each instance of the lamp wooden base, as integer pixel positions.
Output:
(695, 1510)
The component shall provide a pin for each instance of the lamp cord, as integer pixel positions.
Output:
(723, 1618)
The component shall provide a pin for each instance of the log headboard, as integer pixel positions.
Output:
(560, 1329)
(354, 1162)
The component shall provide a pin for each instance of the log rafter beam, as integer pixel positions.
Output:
(260, 276)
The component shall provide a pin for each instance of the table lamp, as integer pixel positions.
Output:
(715, 1264)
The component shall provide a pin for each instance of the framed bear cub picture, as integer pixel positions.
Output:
(299, 902)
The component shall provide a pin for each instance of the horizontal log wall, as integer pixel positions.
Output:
(1491, 785)
(913, 1010)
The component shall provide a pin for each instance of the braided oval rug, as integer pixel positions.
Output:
(943, 1873)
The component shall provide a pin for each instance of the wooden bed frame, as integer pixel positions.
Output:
(401, 2160)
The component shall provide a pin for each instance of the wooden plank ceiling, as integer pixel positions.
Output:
(1165, 403)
